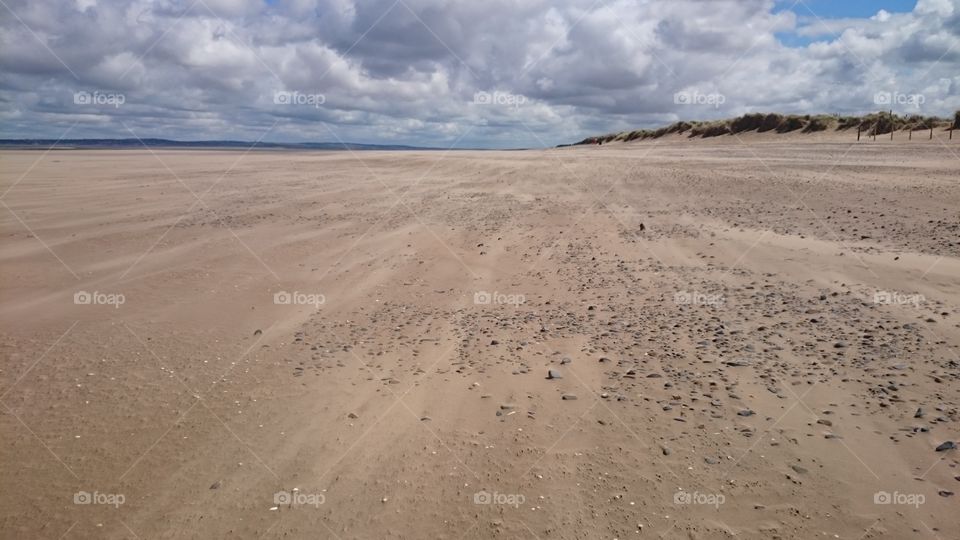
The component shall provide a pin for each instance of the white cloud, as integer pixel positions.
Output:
(410, 76)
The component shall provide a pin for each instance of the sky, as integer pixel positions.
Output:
(465, 74)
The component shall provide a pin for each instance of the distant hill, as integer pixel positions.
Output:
(875, 123)
(167, 143)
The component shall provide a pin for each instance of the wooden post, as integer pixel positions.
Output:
(891, 124)
(858, 132)
(910, 138)
(931, 133)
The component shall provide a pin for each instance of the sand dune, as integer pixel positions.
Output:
(748, 340)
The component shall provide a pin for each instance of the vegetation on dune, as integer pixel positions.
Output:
(870, 124)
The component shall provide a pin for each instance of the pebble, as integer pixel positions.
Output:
(554, 374)
(949, 445)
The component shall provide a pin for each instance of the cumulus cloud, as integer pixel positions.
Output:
(431, 72)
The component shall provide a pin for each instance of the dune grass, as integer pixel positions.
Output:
(869, 124)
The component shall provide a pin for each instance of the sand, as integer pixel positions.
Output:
(220, 344)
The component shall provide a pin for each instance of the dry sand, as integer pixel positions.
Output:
(711, 305)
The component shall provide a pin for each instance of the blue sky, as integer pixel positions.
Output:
(837, 9)
(810, 10)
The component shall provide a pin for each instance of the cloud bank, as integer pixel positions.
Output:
(501, 73)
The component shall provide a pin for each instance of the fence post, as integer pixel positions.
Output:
(891, 124)
(858, 132)
(931, 133)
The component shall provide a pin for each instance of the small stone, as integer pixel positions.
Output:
(711, 461)
(352, 415)
(568, 397)
(666, 451)
(745, 412)
(945, 493)
(554, 374)
(216, 485)
(949, 445)
(737, 363)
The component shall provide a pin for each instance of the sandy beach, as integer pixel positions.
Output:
(743, 337)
